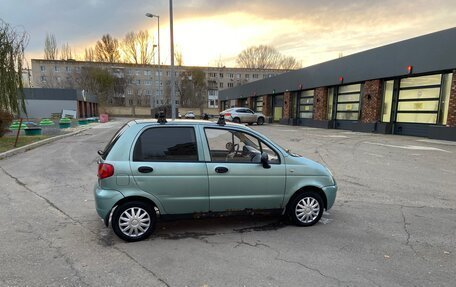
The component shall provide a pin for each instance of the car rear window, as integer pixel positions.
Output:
(112, 142)
(166, 144)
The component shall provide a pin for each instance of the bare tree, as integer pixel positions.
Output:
(178, 57)
(129, 48)
(89, 54)
(65, 52)
(107, 49)
(138, 48)
(50, 47)
(12, 46)
(146, 48)
(192, 87)
(265, 57)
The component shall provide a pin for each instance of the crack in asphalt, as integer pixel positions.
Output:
(19, 182)
(315, 270)
(67, 260)
(256, 244)
(407, 242)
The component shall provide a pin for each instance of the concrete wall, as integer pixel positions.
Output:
(45, 108)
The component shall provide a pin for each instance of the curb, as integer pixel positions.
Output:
(28, 147)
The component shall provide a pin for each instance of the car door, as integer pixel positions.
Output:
(166, 163)
(237, 179)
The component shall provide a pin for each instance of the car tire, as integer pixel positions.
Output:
(260, 121)
(236, 120)
(306, 208)
(133, 221)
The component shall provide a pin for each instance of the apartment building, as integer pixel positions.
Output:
(143, 83)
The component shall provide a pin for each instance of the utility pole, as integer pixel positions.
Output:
(173, 88)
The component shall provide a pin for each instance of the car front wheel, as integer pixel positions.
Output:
(260, 121)
(306, 209)
(236, 120)
(133, 221)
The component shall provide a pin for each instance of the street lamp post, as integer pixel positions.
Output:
(158, 44)
(173, 88)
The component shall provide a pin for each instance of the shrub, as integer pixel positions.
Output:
(5, 120)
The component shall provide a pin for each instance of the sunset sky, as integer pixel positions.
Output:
(206, 31)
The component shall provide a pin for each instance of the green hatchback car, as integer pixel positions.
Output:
(154, 169)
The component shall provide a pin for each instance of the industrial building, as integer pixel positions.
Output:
(406, 88)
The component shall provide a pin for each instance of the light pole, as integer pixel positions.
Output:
(173, 88)
(158, 44)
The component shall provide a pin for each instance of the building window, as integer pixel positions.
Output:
(221, 85)
(220, 75)
(230, 85)
(56, 69)
(255, 76)
(212, 75)
(231, 75)
(247, 76)
(238, 76)
(42, 68)
(423, 99)
(137, 72)
(43, 79)
(258, 104)
(306, 101)
(347, 107)
(68, 69)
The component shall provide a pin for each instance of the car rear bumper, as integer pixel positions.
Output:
(330, 192)
(105, 199)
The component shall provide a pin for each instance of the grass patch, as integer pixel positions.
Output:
(7, 142)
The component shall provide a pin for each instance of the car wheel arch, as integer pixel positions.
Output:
(306, 189)
(130, 199)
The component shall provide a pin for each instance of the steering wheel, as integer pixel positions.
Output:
(233, 150)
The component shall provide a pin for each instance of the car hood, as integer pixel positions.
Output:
(306, 167)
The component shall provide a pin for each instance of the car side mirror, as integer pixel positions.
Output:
(265, 160)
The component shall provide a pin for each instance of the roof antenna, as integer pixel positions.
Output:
(161, 118)
(221, 120)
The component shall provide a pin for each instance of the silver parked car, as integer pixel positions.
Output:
(243, 115)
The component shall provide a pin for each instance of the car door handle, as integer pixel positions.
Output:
(221, 169)
(145, 169)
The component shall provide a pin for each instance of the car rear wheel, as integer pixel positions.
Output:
(306, 209)
(260, 121)
(133, 221)
(236, 120)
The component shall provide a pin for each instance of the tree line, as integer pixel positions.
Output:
(138, 48)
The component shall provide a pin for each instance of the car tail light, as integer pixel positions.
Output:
(105, 170)
(227, 115)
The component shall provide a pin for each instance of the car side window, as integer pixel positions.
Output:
(235, 146)
(249, 111)
(166, 144)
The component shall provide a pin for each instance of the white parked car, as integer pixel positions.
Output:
(243, 115)
(189, 115)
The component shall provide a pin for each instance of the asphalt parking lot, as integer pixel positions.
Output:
(393, 223)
